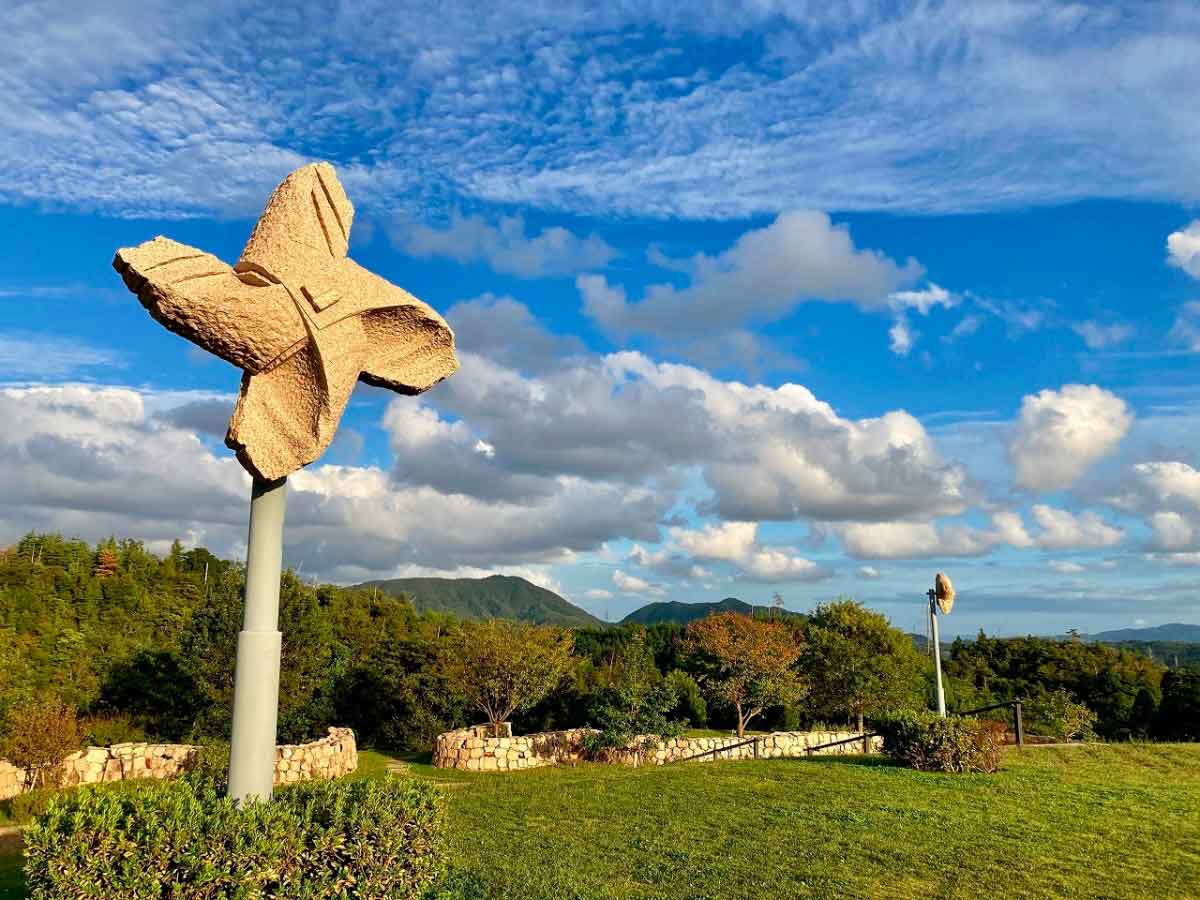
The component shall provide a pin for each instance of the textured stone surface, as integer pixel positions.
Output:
(298, 316)
(943, 591)
(473, 749)
(330, 757)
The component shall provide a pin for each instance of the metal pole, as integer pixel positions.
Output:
(937, 656)
(256, 678)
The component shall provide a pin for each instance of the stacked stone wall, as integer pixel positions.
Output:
(476, 749)
(329, 757)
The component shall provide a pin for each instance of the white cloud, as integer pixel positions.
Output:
(1058, 530)
(631, 584)
(901, 337)
(869, 572)
(31, 355)
(931, 107)
(505, 246)
(1063, 531)
(801, 256)
(1061, 434)
(737, 543)
(1101, 336)
(1186, 329)
(728, 541)
(911, 540)
(764, 453)
(1066, 567)
(1183, 249)
(598, 594)
(923, 300)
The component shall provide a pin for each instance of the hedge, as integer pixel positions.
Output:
(366, 840)
(932, 743)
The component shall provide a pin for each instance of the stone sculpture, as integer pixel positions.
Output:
(943, 593)
(301, 319)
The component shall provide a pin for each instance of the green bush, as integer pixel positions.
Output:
(354, 840)
(209, 768)
(929, 743)
(108, 729)
(1056, 714)
(28, 806)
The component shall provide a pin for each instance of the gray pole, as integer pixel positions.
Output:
(256, 679)
(937, 656)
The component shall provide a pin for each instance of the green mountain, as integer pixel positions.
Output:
(674, 611)
(1176, 631)
(494, 597)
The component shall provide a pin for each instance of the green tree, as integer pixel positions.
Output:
(1179, 712)
(857, 664)
(639, 701)
(504, 667)
(746, 663)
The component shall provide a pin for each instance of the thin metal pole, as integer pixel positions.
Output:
(937, 657)
(256, 678)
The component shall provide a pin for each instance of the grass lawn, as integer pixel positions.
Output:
(1102, 821)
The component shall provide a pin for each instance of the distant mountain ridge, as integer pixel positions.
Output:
(493, 597)
(674, 611)
(1175, 631)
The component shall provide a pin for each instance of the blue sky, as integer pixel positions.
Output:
(815, 299)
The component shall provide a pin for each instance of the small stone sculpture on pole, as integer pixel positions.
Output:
(304, 322)
(941, 596)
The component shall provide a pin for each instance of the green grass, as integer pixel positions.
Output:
(1102, 821)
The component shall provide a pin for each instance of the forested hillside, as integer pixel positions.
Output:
(682, 613)
(494, 597)
(144, 647)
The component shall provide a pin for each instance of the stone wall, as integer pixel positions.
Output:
(475, 749)
(329, 757)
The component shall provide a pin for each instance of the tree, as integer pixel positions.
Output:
(506, 666)
(1179, 712)
(40, 735)
(857, 663)
(746, 663)
(638, 702)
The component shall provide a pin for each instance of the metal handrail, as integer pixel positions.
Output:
(713, 752)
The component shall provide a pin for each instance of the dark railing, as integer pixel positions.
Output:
(865, 737)
(715, 750)
(1018, 721)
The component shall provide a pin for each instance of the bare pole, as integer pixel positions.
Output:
(937, 652)
(256, 678)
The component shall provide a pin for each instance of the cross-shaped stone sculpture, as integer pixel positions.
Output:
(298, 316)
(303, 322)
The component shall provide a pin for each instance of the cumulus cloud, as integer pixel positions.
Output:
(1057, 529)
(763, 453)
(631, 584)
(869, 572)
(801, 256)
(1183, 249)
(505, 246)
(1066, 567)
(737, 543)
(505, 330)
(99, 461)
(1061, 434)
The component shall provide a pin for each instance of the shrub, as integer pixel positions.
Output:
(929, 743)
(637, 705)
(690, 706)
(209, 768)
(28, 806)
(362, 839)
(40, 735)
(108, 729)
(1056, 714)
